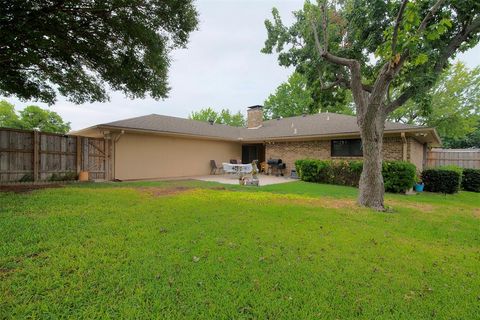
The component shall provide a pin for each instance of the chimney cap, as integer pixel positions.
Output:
(255, 107)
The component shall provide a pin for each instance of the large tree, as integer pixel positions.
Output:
(453, 104)
(80, 48)
(225, 116)
(385, 52)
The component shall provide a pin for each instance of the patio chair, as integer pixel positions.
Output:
(214, 168)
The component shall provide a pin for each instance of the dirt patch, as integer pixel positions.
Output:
(476, 213)
(22, 188)
(160, 192)
(424, 207)
(323, 202)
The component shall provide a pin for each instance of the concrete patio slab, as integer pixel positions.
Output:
(233, 179)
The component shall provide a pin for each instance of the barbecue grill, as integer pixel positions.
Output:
(276, 166)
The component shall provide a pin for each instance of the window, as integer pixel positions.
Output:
(347, 148)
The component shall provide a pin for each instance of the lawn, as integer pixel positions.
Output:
(195, 250)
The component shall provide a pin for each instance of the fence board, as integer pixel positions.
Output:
(29, 154)
(464, 158)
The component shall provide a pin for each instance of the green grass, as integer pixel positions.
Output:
(288, 251)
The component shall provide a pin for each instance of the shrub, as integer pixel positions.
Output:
(471, 180)
(398, 176)
(67, 176)
(441, 180)
(452, 167)
(26, 178)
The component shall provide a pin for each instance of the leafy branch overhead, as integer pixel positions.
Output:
(80, 48)
(415, 40)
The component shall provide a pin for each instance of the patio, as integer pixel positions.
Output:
(233, 179)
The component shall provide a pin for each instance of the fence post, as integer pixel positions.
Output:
(36, 154)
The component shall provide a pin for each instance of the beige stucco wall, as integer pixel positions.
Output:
(290, 151)
(142, 156)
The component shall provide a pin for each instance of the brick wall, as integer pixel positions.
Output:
(254, 117)
(291, 151)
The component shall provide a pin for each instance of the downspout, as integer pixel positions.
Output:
(404, 146)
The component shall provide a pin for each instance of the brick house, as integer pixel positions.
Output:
(155, 146)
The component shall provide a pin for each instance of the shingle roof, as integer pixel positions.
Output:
(166, 124)
(321, 124)
(311, 125)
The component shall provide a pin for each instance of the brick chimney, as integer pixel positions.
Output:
(254, 116)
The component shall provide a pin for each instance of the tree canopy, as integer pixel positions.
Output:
(295, 97)
(79, 47)
(32, 118)
(453, 106)
(225, 116)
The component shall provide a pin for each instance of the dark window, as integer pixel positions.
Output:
(347, 148)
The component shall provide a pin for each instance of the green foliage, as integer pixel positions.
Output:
(442, 180)
(26, 178)
(105, 251)
(291, 98)
(66, 176)
(8, 117)
(78, 48)
(222, 117)
(471, 140)
(399, 176)
(457, 169)
(471, 180)
(32, 118)
(452, 105)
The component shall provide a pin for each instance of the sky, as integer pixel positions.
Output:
(221, 68)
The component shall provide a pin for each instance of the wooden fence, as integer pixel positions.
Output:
(464, 158)
(37, 156)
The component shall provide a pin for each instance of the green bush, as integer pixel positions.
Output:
(398, 176)
(26, 178)
(67, 176)
(452, 167)
(471, 180)
(441, 180)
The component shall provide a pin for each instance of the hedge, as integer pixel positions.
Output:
(399, 176)
(442, 180)
(471, 180)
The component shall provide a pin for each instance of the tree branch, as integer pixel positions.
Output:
(397, 26)
(429, 15)
(449, 50)
(356, 80)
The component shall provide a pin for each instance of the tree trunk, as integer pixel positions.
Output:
(371, 180)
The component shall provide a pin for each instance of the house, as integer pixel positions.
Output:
(156, 146)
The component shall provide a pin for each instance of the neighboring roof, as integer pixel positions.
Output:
(321, 124)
